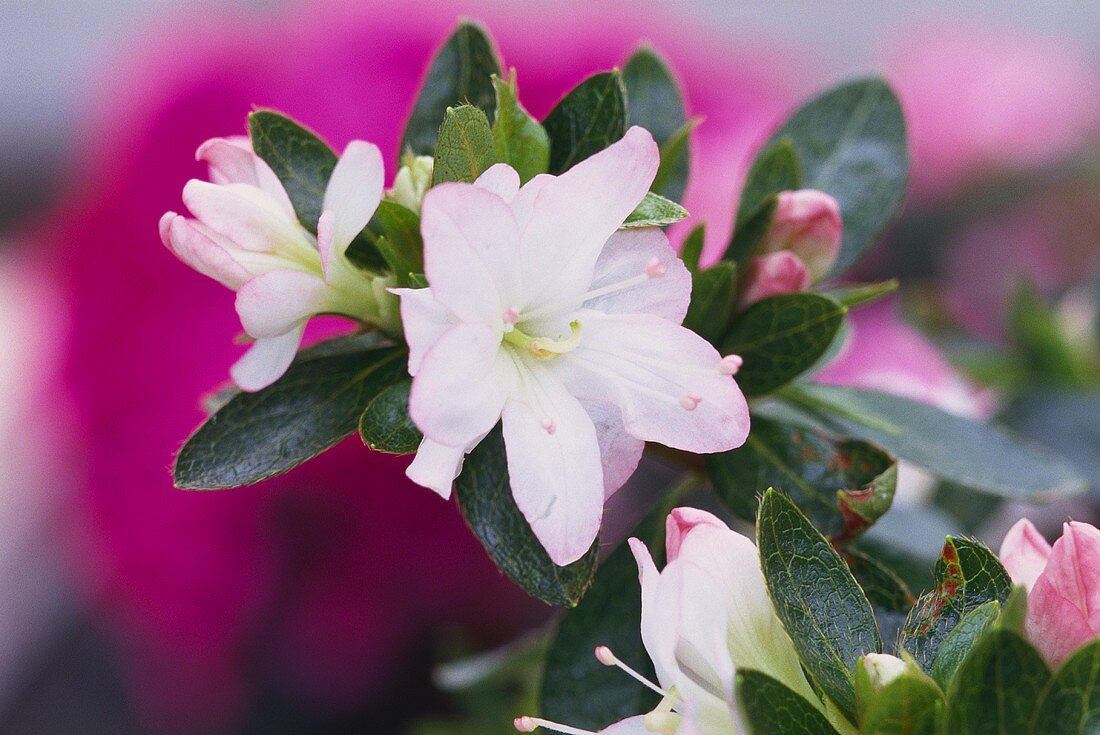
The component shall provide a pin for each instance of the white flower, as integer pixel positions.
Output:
(541, 314)
(247, 236)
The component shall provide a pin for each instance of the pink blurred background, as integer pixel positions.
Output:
(319, 601)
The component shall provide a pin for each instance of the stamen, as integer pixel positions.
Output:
(730, 364)
(511, 316)
(528, 724)
(544, 347)
(690, 401)
(548, 424)
(654, 268)
(606, 657)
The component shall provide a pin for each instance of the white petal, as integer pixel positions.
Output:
(631, 254)
(629, 726)
(278, 301)
(659, 624)
(233, 162)
(201, 248)
(471, 251)
(354, 191)
(246, 215)
(326, 242)
(523, 204)
(459, 391)
(501, 179)
(619, 451)
(555, 472)
(436, 466)
(655, 370)
(424, 321)
(266, 361)
(574, 215)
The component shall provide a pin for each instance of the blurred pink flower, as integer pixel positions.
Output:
(313, 579)
(1063, 584)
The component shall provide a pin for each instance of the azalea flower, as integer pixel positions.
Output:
(542, 315)
(799, 248)
(1063, 585)
(704, 616)
(246, 236)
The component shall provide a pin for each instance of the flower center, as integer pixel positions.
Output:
(541, 347)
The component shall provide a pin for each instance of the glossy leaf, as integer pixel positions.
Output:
(961, 639)
(655, 211)
(775, 169)
(588, 119)
(460, 73)
(692, 249)
(997, 688)
(1071, 705)
(711, 306)
(385, 425)
(911, 704)
(401, 246)
(521, 141)
(302, 161)
(466, 147)
(769, 707)
(656, 104)
(486, 500)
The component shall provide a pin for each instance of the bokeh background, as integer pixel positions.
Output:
(321, 601)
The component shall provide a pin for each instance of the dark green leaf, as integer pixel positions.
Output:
(957, 644)
(461, 73)
(1037, 333)
(842, 486)
(672, 174)
(858, 295)
(1072, 702)
(911, 704)
(979, 456)
(997, 688)
(385, 425)
(775, 169)
(822, 608)
(887, 592)
(401, 247)
(466, 146)
(317, 403)
(851, 144)
(657, 105)
(968, 575)
(301, 160)
(521, 141)
(781, 337)
(655, 211)
(771, 708)
(711, 304)
(587, 120)
(692, 249)
(485, 497)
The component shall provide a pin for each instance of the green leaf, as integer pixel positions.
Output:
(402, 247)
(911, 704)
(578, 689)
(1071, 705)
(521, 141)
(842, 486)
(588, 119)
(657, 105)
(461, 73)
(980, 456)
(824, 611)
(711, 305)
(692, 249)
(775, 169)
(957, 644)
(858, 295)
(968, 575)
(771, 708)
(317, 403)
(850, 143)
(1037, 333)
(781, 337)
(301, 160)
(466, 146)
(887, 592)
(485, 497)
(997, 688)
(385, 425)
(655, 211)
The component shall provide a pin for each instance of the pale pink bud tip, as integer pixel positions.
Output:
(654, 268)
(511, 315)
(690, 401)
(605, 656)
(730, 364)
(524, 724)
(549, 425)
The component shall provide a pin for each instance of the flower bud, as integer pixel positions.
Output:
(807, 222)
(882, 668)
(773, 274)
(412, 180)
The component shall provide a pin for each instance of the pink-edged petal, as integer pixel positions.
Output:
(665, 379)
(278, 301)
(436, 466)
(424, 321)
(459, 391)
(774, 274)
(1024, 553)
(354, 191)
(266, 360)
(1064, 605)
(471, 253)
(501, 179)
(659, 624)
(681, 522)
(523, 203)
(573, 215)
(663, 285)
(554, 466)
(620, 453)
(252, 219)
(232, 161)
(198, 247)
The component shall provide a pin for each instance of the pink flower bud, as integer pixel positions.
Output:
(807, 222)
(774, 274)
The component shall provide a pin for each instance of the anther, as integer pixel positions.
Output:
(654, 268)
(529, 724)
(690, 401)
(730, 364)
(608, 658)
